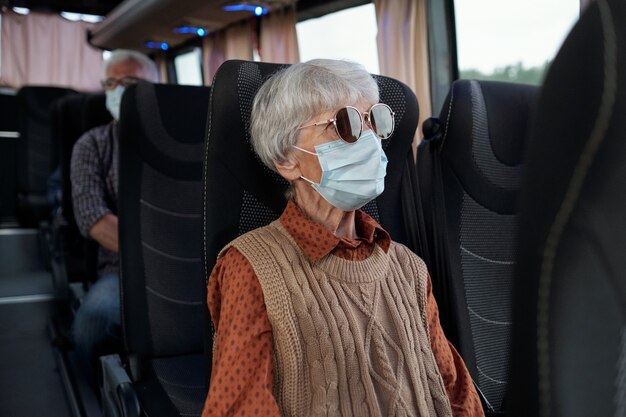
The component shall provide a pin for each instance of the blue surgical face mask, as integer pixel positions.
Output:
(114, 101)
(353, 174)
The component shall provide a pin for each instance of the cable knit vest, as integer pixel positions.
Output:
(350, 337)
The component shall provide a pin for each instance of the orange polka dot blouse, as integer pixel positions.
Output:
(241, 379)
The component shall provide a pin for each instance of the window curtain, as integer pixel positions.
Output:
(234, 42)
(46, 49)
(403, 48)
(161, 62)
(278, 39)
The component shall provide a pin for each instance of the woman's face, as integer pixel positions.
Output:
(312, 136)
(302, 164)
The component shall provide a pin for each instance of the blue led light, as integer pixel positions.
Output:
(257, 10)
(157, 45)
(190, 29)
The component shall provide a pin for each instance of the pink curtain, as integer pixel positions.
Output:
(403, 48)
(279, 40)
(161, 62)
(46, 49)
(234, 42)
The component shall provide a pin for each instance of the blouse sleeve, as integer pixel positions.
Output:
(241, 378)
(461, 392)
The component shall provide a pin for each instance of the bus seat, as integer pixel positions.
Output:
(96, 113)
(37, 154)
(469, 171)
(570, 309)
(66, 250)
(9, 128)
(74, 257)
(162, 130)
(241, 194)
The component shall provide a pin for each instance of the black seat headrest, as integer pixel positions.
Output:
(95, 113)
(242, 194)
(496, 116)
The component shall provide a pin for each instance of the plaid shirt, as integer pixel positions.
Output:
(94, 175)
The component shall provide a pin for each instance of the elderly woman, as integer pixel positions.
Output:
(320, 312)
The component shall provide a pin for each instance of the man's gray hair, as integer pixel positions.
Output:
(294, 95)
(148, 67)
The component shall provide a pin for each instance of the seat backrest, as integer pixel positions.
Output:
(72, 117)
(67, 123)
(241, 194)
(162, 130)
(9, 127)
(96, 113)
(469, 174)
(570, 315)
(9, 121)
(37, 154)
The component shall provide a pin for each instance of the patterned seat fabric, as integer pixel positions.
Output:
(570, 310)
(162, 130)
(469, 175)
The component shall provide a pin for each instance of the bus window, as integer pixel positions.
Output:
(331, 36)
(188, 67)
(511, 40)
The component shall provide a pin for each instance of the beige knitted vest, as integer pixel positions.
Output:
(350, 337)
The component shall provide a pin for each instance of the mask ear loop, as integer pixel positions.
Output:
(304, 150)
(308, 180)
(310, 153)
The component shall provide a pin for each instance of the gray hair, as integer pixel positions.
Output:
(148, 67)
(294, 95)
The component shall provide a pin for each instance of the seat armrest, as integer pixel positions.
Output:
(118, 394)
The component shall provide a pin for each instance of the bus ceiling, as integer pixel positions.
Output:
(134, 22)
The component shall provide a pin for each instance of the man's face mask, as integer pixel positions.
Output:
(114, 101)
(353, 174)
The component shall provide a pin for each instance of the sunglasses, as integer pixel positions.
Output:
(348, 122)
(111, 83)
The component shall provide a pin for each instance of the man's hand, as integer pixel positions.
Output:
(105, 232)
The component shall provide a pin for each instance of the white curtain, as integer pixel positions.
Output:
(279, 40)
(403, 48)
(234, 42)
(161, 62)
(46, 49)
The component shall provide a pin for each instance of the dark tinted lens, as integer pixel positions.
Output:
(382, 121)
(127, 81)
(109, 83)
(348, 124)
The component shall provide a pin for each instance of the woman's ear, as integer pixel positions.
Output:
(288, 168)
